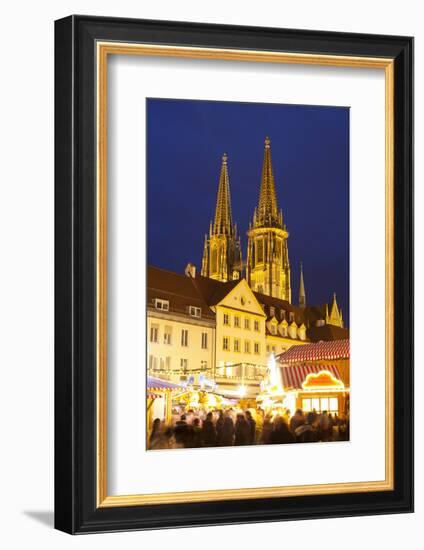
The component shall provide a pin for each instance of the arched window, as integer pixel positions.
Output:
(214, 260)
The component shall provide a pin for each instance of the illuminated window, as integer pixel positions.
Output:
(214, 257)
(329, 404)
(247, 323)
(333, 405)
(153, 362)
(257, 348)
(154, 333)
(162, 304)
(236, 321)
(204, 340)
(184, 337)
(226, 319)
(247, 346)
(257, 326)
(226, 343)
(236, 344)
(167, 336)
(259, 251)
(195, 311)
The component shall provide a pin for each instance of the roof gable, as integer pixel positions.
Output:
(242, 298)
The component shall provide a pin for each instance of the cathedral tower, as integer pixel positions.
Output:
(221, 251)
(268, 267)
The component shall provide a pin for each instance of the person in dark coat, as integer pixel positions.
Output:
(252, 428)
(242, 431)
(227, 436)
(296, 420)
(266, 429)
(208, 431)
(306, 433)
(182, 432)
(280, 432)
(197, 434)
(219, 428)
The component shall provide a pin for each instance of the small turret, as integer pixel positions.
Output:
(302, 293)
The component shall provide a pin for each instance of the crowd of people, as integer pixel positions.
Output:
(248, 427)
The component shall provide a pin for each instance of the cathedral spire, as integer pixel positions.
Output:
(221, 249)
(335, 316)
(223, 223)
(268, 266)
(267, 212)
(302, 293)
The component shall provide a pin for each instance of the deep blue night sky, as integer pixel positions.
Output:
(310, 155)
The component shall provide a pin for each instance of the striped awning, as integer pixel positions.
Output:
(293, 376)
(324, 351)
(151, 395)
(157, 384)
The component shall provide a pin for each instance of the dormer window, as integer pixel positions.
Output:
(291, 316)
(195, 311)
(273, 329)
(283, 314)
(163, 305)
(272, 311)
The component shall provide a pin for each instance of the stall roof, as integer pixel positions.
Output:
(293, 375)
(338, 349)
(157, 384)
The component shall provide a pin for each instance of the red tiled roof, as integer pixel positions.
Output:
(293, 375)
(327, 333)
(337, 349)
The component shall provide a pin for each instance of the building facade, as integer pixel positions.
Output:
(207, 332)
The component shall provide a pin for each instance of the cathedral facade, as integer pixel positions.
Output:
(267, 264)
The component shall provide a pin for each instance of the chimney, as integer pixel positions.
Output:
(190, 270)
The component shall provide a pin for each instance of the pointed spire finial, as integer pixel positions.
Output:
(302, 293)
(223, 222)
(268, 214)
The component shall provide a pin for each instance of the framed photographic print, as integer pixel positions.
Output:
(234, 274)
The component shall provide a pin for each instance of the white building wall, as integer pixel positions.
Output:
(165, 359)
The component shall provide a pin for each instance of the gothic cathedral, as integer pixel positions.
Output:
(267, 265)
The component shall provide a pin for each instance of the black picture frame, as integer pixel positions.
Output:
(75, 275)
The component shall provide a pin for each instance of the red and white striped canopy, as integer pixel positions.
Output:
(151, 395)
(157, 384)
(293, 376)
(337, 349)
